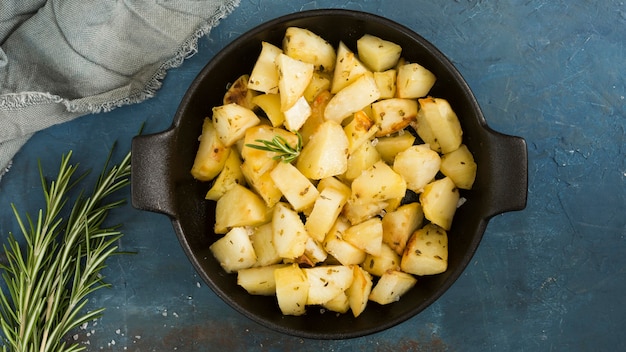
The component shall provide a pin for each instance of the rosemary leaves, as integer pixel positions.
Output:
(48, 281)
(280, 146)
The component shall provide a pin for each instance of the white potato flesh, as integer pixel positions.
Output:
(418, 165)
(231, 122)
(289, 235)
(379, 264)
(297, 115)
(357, 211)
(414, 81)
(343, 251)
(297, 188)
(234, 250)
(319, 82)
(262, 184)
(314, 252)
(325, 154)
(264, 76)
(293, 78)
(229, 176)
(393, 115)
(339, 304)
(378, 54)
(389, 147)
(399, 225)
(361, 159)
(386, 83)
(391, 286)
(367, 236)
(262, 238)
(359, 291)
(318, 105)
(378, 183)
(359, 130)
(211, 155)
(427, 252)
(304, 45)
(460, 166)
(270, 104)
(442, 122)
(352, 98)
(334, 183)
(292, 290)
(259, 280)
(326, 282)
(439, 202)
(392, 205)
(326, 210)
(348, 69)
(239, 206)
(425, 132)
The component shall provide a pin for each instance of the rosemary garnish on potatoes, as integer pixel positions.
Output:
(280, 146)
(47, 280)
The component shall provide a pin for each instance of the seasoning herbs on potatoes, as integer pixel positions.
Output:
(311, 157)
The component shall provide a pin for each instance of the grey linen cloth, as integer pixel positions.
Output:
(61, 59)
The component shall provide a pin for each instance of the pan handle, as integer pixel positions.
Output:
(508, 176)
(151, 187)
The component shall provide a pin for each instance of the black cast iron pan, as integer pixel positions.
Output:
(161, 181)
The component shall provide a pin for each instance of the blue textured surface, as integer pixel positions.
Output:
(551, 277)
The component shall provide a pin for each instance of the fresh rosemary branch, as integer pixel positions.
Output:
(280, 146)
(47, 282)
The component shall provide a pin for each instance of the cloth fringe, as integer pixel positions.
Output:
(4, 170)
(16, 101)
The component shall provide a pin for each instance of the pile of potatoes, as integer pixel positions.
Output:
(333, 227)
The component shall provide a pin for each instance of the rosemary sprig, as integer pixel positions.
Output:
(280, 146)
(47, 282)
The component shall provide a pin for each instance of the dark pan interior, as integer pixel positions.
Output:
(193, 217)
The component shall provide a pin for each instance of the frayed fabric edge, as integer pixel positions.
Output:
(5, 169)
(16, 101)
